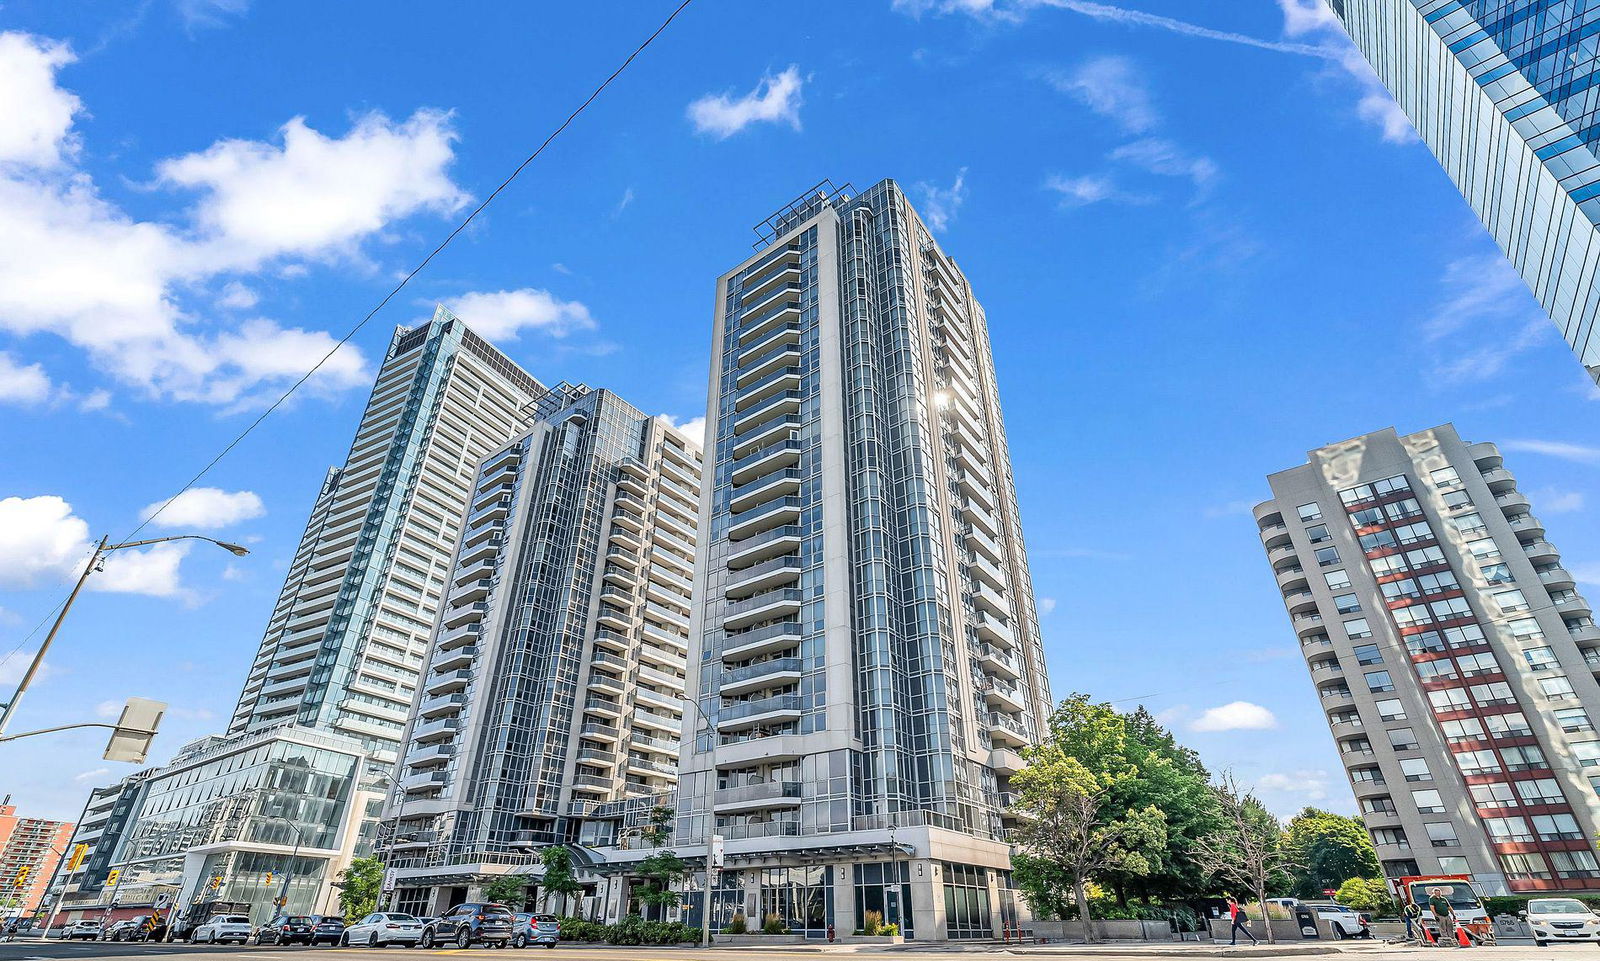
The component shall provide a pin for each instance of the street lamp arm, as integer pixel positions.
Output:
(52, 730)
(238, 550)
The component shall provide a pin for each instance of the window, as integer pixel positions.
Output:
(1357, 627)
(1450, 608)
(1442, 669)
(1545, 790)
(1510, 601)
(1524, 758)
(1412, 533)
(1404, 587)
(1463, 635)
(1524, 866)
(1428, 802)
(1367, 517)
(1496, 574)
(1575, 864)
(1337, 580)
(1525, 629)
(1557, 827)
(1401, 509)
(1467, 524)
(1327, 556)
(1442, 834)
(1378, 540)
(1574, 720)
(1347, 603)
(1484, 549)
(1587, 752)
(1368, 654)
(1474, 665)
(1514, 724)
(1393, 836)
(1379, 682)
(1378, 805)
(1449, 699)
(1366, 492)
(1453, 865)
(1309, 513)
(1497, 794)
(1445, 477)
(1428, 642)
(1437, 582)
(1390, 709)
(1541, 659)
(1412, 616)
(1455, 500)
(1488, 695)
(1558, 688)
(1368, 774)
(1477, 762)
(1403, 739)
(1415, 769)
(1318, 534)
(1462, 729)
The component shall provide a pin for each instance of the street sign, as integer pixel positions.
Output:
(135, 729)
(388, 880)
(719, 856)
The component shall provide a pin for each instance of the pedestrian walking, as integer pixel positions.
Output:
(1444, 915)
(1412, 916)
(1241, 922)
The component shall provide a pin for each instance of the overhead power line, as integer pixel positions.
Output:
(351, 333)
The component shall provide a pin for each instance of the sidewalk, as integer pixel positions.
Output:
(1119, 949)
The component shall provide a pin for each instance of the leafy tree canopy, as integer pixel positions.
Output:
(360, 885)
(1328, 849)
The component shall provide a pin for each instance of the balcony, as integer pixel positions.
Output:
(660, 722)
(494, 511)
(590, 755)
(604, 637)
(603, 706)
(1557, 578)
(622, 537)
(1540, 550)
(762, 674)
(984, 572)
(442, 705)
(765, 488)
(428, 782)
(660, 635)
(777, 405)
(784, 602)
(756, 366)
(983, 545)
(763, 640)
(628, 520)
(454, 658)
(1005, 761)
(463, 615)
(763, 577)
(778, 382)
(758, 520)
(779, 709)
(447, 682)
(501, 460)
(760, 434)
(1299, 601)
(611, 684)
(1277, 555)
(762, 794)
(601, 732)
(763, 461)
(615, 617)
(481, 497)
(623, 557)
(623, 577)
(430, 755)
(998, 661)
(989, 600)
(481, 546)
(436, 730)
(473, 571)
(1526, 524)
(1485, 455)
(764, 546)
(995, 630)
(1004, 695)
(1291, 578)
(980, 518)
(1005, 730)
(1584, 632)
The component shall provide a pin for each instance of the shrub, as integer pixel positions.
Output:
(891, 929)
(872, 923)
(630, 930)
(773, 924)
(736, 925)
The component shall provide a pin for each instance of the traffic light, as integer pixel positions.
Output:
(114, 876)
(21, 880)
(269, 877)
(79, 852)
(216, 881)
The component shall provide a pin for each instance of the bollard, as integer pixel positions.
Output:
(830, 934)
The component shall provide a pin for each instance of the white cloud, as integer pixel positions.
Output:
(1552, 501)
(1488, 316)
(939, 205)
(38, 113)
(504, 314)
(14, 665)
(1301, 17)
(43, 542)
(1230, 509)
(1166, 158)
(108, 709)
(1307, 784)
(1587, 572)
(1112, 88)
(94, 775)
(1088, 189)
(693, 428)
(627, 198)
(206, 508)
(210, 13)
(77, 266)
(1235, 716)
(21, 384)
(776, 99)
(1046, 606)
(236, 296)
(1577, 453)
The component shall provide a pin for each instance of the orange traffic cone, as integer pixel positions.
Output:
(1427, 936)
(1461, 937)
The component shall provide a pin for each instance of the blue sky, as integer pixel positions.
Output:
(1204, 241)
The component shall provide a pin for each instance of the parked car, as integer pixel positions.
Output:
(84, 930)
(328, 931)
(126, 930)
(383, 928)
(287, 929)
(472, 923)
(1561, 919)
(529, 929)
(1343, 921)
(223, 927)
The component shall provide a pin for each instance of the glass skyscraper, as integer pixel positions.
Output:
(1504, 92)
(864, 654)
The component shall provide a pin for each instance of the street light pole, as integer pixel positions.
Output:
(283, 892)
(100, 550)
(711, 840)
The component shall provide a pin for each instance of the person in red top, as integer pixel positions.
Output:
(1241, 922)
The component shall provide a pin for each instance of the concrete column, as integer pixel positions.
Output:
(844, 899)
(927, 900)
(996, 920)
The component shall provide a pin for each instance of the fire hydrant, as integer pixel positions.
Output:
(830, 934)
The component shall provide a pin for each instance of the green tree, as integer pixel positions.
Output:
(1246, 848)
(359, 887)
(661, 871)
(558, 878)
(1071, 831)
(1366, 894)
(1140, 764)
(508, 889)
(1327, 849)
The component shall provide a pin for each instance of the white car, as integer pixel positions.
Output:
(1561, 919)
(223, 927)
(382, 928)
(1343, 921)
(87, 930)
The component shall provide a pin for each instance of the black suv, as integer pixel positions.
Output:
(287, 929)
(466, 924)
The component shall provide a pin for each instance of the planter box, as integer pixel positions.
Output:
(874, 939)
(1104, 930)
(718, 938)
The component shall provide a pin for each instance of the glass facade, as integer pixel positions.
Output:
(1504, 93)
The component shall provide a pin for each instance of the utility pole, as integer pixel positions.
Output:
(294, 859)
(713, 866)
